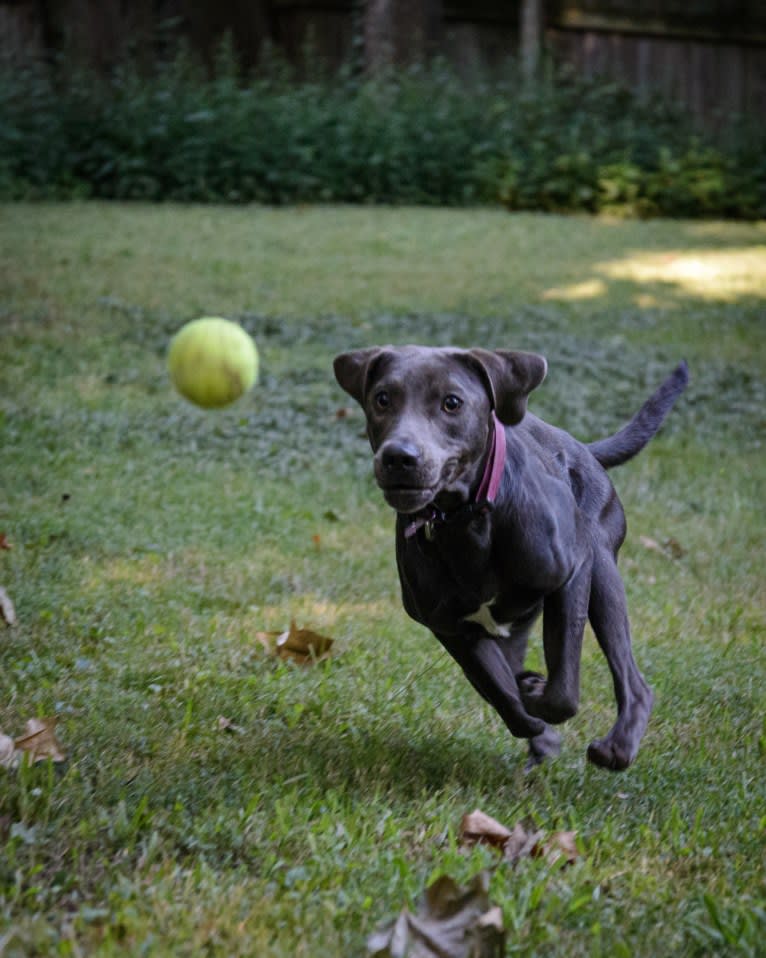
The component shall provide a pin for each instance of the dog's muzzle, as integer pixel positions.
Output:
(402, 477)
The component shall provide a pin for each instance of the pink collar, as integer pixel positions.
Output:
(485, 494)
(493, 470)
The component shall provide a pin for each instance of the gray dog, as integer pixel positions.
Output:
(501, 517)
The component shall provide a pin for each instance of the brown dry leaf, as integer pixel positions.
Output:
(477, 827)
(559, 845)
(4, 543)
(670, 548)
(39, 741)
(521, 844)
(651, 544)
(7, 611)
(299, 645)
(7, 751)
(450, 922)
(518, 843)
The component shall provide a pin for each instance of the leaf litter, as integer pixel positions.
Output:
(37, 743)
(517, 843)
(450, 921)
(298, 645)
(671, 548)
(454, 922)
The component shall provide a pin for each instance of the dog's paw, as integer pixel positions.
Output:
(607, 753)
(540, 700)
(542, 748)
(532, 685)
(617, 750)
(532, 688)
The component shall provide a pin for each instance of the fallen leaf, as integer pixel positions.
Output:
(303, 645)
(559, 845)
(39, 741)
(4, 543)
(671, 548)
(6, 608)
(521, 844)
(317, 540)
(450, 922)
(517, 843)
(299, 645)
(226, 725)
(477, 827)
(651, 544)
(344, 412)
(7, 751)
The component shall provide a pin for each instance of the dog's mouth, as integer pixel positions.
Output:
(408, 499)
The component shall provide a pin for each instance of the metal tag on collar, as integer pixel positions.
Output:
(429, 530)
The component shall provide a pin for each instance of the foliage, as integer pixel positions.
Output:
(418, 136)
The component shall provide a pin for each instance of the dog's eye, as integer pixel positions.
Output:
(382, 399)
(452, 403)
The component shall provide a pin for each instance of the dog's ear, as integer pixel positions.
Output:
(352, 370)
(510, 377)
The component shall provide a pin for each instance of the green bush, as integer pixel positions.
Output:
(420, 136)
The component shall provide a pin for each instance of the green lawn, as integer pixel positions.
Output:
(151, 542)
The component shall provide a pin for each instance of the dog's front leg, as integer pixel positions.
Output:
(488, 670)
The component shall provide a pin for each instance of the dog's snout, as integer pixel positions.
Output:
(400, 457)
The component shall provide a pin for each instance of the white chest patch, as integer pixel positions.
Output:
(483, 617)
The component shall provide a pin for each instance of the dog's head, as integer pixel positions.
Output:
(428, 415)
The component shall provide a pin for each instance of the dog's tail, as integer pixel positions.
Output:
(631, 439)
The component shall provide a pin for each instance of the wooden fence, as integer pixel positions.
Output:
(707, 54)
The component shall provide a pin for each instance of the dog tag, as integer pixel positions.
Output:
(429, 529)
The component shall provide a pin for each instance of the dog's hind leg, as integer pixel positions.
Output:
(609, 617)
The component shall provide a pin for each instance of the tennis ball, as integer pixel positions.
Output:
(212, 362)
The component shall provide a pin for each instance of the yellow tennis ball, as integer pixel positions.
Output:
(212, 362)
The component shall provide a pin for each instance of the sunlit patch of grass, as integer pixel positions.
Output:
(587, 289)
(725, 276)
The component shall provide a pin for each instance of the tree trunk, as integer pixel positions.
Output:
(531, 33)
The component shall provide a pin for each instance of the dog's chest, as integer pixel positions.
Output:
(484, 618)
(455, 586)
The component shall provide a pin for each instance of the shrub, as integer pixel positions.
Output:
(417, 136)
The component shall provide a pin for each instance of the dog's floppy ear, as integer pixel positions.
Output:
(510, 377)
(352, 370)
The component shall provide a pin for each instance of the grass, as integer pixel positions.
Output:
(151, 541)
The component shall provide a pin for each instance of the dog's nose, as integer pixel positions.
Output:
(400, 457)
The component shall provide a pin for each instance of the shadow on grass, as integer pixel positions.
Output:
(372, 761)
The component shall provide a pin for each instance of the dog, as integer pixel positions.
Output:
(502, 517)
